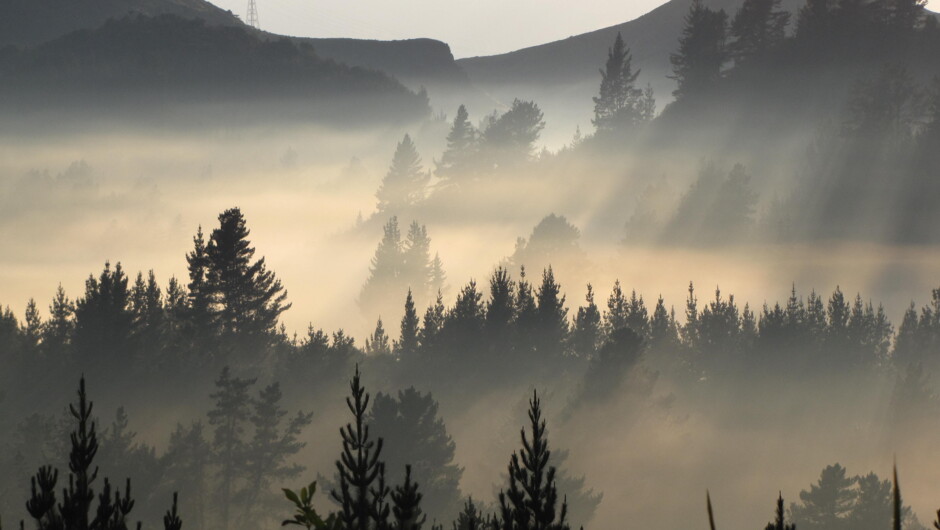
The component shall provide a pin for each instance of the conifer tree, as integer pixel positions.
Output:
(407, 505)
(57, 331)
(251, 298)
(385, 269)
(186, 465)
(616, 316)
(202, 311)
(526, 311)
(509, 140)
(552, 316)
(464, 324)
(460, 157)
(531, 500)
(779, 522)
(758, 26)
(362, 489)
(618, 105)
(415, 435)
(433, 323)
(828, 503)
(637, 317)
(500, 309)
(438, 277)
(103, 318)
(701, 55)
(470, 518)
(74, 512)
(267, 456)
(416, 260)
(586, 335)
(230, 417)
(407, 346)
(32, 330)
(663, 332)
(404, 184)
(377, 343)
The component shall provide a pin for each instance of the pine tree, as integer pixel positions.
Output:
(433, 323)
(407, 346)
(438, 277)
(460, 157)
(74, 510)
(500, 310)
(362, 490)
(251, 298)
(827, 504)
(57, 331)
(267, 456)
(377, 343)
(618, 105)
(202, 310)
(103, 319)
(586, 335)
(407, 505)
(32, 330)
(416, 260)
(509, 140)
(186, 465)
(231, 415)
(470, 518)
(531, 500)
(701, 55)
(414, 434)
(616, 316)
(526, 311)
(663, 332)
(758, 26)
(552, 317)
(385, 269)
(637, 317)
(404, 184)
(779, 522)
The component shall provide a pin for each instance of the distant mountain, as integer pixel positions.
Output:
(418, 61)
(31, 22)
(142, 62)
(651, 38)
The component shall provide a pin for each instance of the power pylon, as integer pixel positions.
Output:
(253, 15)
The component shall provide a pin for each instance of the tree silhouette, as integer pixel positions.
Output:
(231, 415)
(404, 184)
(619, 103)
(362, 489)
(758, 26)
(250, 297)
(460, 158)
(701, 55)
(531, 500)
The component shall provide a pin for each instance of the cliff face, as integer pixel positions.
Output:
(423, 61)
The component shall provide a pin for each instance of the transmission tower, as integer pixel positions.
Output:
(253, 15)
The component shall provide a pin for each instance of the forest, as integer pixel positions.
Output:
(727, 289)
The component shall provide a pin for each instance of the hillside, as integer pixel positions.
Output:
(421, 61)
(651, 38)
(139, 61)
(31, 22)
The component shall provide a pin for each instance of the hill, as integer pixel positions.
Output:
(32, 22)
(139, 61)
(651, 38)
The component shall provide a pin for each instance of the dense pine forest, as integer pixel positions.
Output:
(506, 335)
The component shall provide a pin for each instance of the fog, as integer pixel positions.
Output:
(753, 244)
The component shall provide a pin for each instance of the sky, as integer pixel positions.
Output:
(471, 27)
